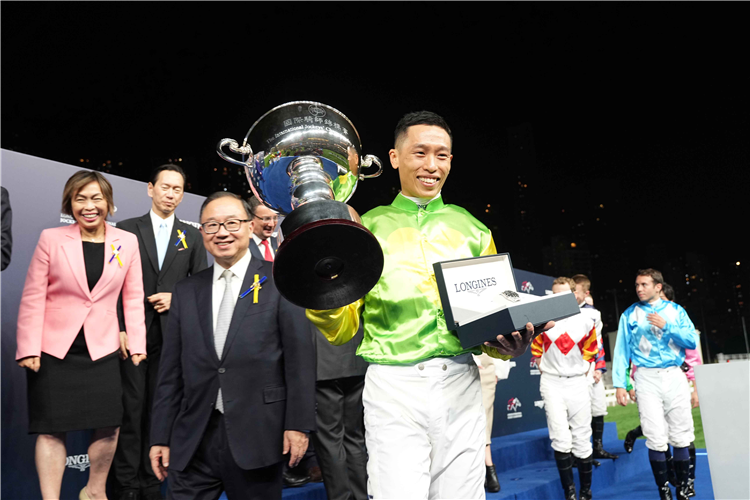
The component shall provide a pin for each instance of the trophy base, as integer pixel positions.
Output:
(328, 263)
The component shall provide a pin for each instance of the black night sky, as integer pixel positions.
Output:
(640, 107)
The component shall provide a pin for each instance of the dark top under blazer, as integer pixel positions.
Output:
(266, 373)
(179, 261)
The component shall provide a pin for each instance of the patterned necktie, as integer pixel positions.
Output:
(162, 242)
(268, 255)
(224, 318)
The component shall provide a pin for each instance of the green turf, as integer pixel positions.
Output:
(627, 419)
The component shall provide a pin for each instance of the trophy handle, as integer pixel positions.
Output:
(367, 161)
(235, 148)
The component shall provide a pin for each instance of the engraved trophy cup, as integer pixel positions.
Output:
(303, 159)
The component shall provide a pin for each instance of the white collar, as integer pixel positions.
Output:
(238, 269)
(156, 221)
(422, 201)
(259, 241)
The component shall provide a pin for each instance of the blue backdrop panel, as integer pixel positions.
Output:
(35, 189)
(518, 405)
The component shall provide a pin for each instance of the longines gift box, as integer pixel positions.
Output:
(480, 299)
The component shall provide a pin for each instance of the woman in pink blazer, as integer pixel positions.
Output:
(68, 334)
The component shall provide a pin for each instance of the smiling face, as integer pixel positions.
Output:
(646, 289)
(423, 159)
(167, 193)
(264, 229)
(89, 207)
(227, 248)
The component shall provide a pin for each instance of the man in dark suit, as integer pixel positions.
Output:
(166, 258)
(264, 243)
(340, 439)
(236, 384)
(7, 223)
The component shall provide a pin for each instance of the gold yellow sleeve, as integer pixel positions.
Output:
(489, 248)
(537, 346)
(340, 325)
(492, 352)
(590, 348)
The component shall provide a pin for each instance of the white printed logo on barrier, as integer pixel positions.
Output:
(513, 405)
(80, 462)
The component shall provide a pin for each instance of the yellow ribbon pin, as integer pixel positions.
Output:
(116, 254)
(181, 239)
(257, 287)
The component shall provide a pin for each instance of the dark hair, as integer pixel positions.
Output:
(655, 275)
(668, 291)
(167, 166)
(254, 203)
(225, 194)
(420, 118)
(77, 181)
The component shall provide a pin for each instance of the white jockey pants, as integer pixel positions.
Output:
(596, 393)
(568, 408)
(663, 397)
(425, 430)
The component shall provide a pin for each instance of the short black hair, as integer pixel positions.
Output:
(167, 166)
(420, 118)
(225, 194)
(254, 203)
(668, 291)
(654, 274)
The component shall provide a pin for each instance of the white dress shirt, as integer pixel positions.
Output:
(156, 222)
(217, 292)
(262, 247)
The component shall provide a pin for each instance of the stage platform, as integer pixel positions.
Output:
(526, 470)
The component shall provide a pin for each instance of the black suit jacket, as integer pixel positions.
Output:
(7, 222)
(179, 262)
(338, 361)
(255, 251)
(266, 372)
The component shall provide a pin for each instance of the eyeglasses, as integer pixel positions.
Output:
(273, 219)
(231, 225)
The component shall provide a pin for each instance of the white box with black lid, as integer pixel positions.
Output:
(480, 299)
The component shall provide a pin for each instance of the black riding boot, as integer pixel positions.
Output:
(630, 438)
(597, 430)
(584, 476)
(565, 468)
(682, 469)
(491, 483)
(659, 468)
(670, 468)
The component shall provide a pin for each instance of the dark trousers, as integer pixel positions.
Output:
(212, 470)
(340, 439)
(131, 467)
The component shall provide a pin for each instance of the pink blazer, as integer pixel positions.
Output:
(56, 300)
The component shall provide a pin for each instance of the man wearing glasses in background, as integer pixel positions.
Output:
(264, 225)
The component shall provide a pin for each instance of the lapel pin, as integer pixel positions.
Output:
(255, 287)
(181, 239)
(116, 254)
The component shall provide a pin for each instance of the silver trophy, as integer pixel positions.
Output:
(303, 159)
